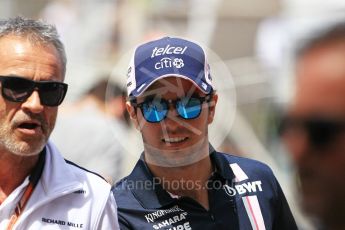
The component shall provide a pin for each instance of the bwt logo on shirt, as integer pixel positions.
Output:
(249, 187)
(168, 63)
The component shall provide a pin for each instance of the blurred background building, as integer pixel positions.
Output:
(251, 46)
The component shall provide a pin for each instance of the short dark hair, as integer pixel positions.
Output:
(331, 34)
(37, 31)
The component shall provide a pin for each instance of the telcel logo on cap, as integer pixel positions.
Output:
(168, 50)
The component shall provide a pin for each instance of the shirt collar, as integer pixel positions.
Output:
(149, 192)
(221, 164)
(146, 188)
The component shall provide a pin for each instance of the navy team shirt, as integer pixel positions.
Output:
(243, 194)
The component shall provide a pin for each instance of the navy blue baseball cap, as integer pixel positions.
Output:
(166, 57)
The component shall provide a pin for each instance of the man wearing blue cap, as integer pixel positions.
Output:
(180, 181)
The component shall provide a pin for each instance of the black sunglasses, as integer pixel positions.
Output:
(156, 109)
(18, 89)
(320, 131)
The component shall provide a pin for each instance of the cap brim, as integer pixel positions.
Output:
(140, 90)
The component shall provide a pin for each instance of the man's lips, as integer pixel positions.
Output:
(30, 127)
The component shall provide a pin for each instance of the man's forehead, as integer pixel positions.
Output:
(322, 70)
(327, 61)
(320, 81)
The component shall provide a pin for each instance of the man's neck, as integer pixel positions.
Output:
(189, 180)
(13, 170)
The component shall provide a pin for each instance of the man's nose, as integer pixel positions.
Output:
(172, 114)
(33, 103)
(172, 110)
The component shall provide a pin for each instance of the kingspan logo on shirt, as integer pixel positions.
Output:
(167, 62)
(173, 218)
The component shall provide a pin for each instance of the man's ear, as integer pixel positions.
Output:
(212, 108)
(132, 114)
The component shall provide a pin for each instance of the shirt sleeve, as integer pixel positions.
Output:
(284, 219)
(109, 218)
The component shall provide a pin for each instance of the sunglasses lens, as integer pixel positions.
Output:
(322, 132)
(157, 110)
(52, 93)
(154, 110)
(189, 108)
(17, 89)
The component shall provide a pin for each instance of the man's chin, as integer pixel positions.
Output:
(26, 148)
(315, 201)
(323, 213)
(175, 157)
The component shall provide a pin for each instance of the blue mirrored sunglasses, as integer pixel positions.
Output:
(156, 109)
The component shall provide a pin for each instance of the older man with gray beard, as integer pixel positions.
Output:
(38, 188)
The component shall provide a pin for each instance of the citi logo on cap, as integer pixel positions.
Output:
(168, 50)
(169, 62)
